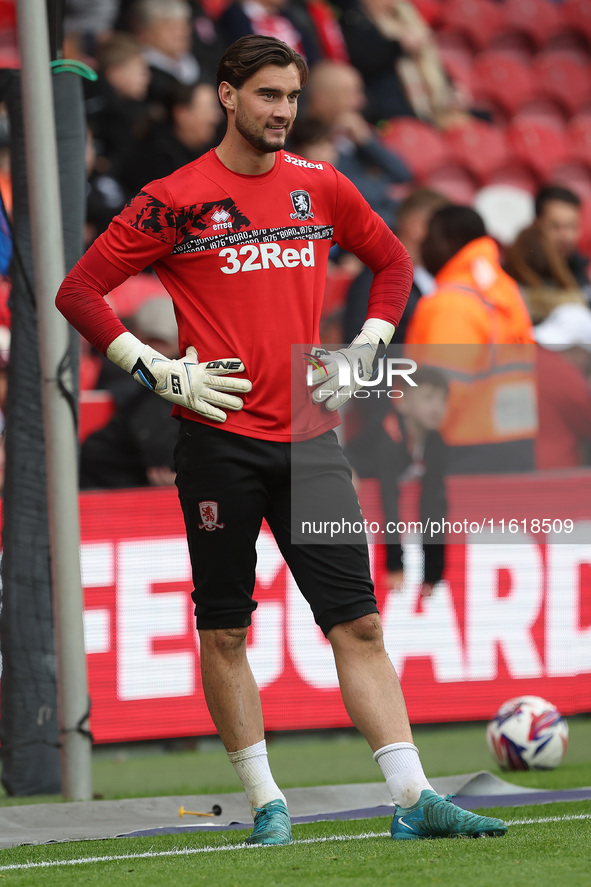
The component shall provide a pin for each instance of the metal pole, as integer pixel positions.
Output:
(59, 421)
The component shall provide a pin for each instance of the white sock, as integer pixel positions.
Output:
(252, 767)
(403, 771)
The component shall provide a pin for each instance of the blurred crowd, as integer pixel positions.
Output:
(154, 108)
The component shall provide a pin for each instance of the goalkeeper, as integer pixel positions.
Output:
(240, 238)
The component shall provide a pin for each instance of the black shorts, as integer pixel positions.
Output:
(227, 484)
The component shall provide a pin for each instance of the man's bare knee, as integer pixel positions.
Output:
(367, 629)
(223, 641)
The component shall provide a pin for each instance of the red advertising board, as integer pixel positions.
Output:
(510, 617)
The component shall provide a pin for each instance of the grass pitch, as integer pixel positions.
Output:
(552, 839)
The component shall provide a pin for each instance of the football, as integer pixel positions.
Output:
(527, 733)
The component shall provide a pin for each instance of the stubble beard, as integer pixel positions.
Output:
(257, 139)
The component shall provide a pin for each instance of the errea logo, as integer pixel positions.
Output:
(299, 161)
(220, 217)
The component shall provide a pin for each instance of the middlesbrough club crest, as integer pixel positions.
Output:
(302, 206)
(209, 515)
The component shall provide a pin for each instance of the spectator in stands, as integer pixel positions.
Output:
(470, 282)
(558, 213)
(86, 25)
(376, 56)
(414, 214)
(104, 195)
(543, 275)
(336, 96)
(491, 418)
(288, 21)
(188, 131)
(207, 43)
(116, 103)
(313, 139)
(394, 48)
(413, 217)
(136, 447)
(407, 447)
(564, 402)
(164, 29)
(330, 36)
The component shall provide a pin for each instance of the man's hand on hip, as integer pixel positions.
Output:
(341, 373)
(207, 388)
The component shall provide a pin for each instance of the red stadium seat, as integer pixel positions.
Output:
(576, 17)
(477, 20)
(575, 176)
(478, 146)
(453, 181)
(516, 174)
(515, 44)
(558, 76)
(538, 146)
(579, 138)
(574, 44)
(500, 78)
(536, 20)
(454, 40)
(420, 145)
(430, 10)
(546, 112)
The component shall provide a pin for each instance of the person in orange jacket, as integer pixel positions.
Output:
(492, 410)
(476, 301)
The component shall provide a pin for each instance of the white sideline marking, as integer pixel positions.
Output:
(190, 851)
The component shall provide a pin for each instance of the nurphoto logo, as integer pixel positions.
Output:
(352, 375)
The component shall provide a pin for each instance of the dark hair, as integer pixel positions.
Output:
(180, 95)
(458, 225)
(309, 131)
(533, 260)
(249, 54)
(422, 200)
(429, 375)
(554, 192)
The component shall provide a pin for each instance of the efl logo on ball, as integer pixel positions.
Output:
(527, 733)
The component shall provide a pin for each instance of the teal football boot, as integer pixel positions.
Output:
(272, 824)
(436, 817)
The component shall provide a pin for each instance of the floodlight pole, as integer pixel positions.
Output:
(58, 418)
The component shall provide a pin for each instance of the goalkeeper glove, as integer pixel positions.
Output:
(345, 371)
(184, 381)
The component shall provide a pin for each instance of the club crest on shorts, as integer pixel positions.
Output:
(209, 515)
(302, 206)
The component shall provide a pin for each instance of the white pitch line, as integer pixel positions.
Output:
(549, 819)
(190, 851)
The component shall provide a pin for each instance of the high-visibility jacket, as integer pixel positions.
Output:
(475, 302)
(476, 328)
